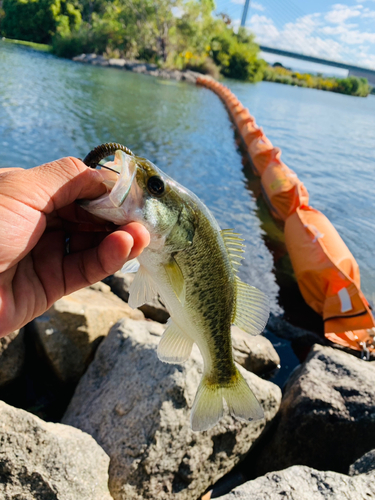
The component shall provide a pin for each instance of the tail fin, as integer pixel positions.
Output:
(208, 404)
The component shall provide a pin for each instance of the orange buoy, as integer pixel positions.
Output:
(260, 151)
(328, 276)
(242, 118)
(282, 189)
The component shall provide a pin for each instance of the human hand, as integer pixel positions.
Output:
(37, 214)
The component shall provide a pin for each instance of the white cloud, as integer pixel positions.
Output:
(257, 6)
(340, 13)
(369, 14)
(327, 36)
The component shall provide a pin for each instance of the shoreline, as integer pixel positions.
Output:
(139, 67)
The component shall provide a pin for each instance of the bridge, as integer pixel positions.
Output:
(353, 70)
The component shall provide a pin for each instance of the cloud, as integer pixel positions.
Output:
(340, 13)
(311, 35)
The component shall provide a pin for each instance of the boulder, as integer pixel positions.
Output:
(118, 63)
(255, 354)
(120, 285)
(364, 464)
(301, 337)
(12, 356)
(71, 330)
(138, 409)
(327, 415)
(40, 460)
(302, 483)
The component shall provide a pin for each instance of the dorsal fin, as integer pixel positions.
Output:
(234, 246)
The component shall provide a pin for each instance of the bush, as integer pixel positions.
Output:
(236, 55)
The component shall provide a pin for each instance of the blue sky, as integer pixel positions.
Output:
(342, 31)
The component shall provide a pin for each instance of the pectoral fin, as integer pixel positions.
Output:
(175, 345)
(142, 290)
(252, 308)
(176, 279)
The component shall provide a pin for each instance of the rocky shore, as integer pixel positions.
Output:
(125, 432)
(139, 67)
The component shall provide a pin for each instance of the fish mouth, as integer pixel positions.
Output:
(119, 182)
(126, 167)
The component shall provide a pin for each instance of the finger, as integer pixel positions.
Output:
(94, 264)
(54, 185)
(140, 236)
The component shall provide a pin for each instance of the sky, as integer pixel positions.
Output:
(342, 31)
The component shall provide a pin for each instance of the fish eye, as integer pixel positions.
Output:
(156, 185)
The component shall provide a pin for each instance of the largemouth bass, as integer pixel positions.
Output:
(192, 265)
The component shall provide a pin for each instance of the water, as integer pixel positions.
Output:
(51, 107)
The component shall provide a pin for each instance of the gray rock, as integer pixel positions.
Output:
(99, 61)
(285, 330)
(120, 285)
(188, 76)
(46, 461)
(303, 483)
(364, 464)
(119, 63)
(139, 68)
(12, 356)
(71, 330)
(90, 57)
(80, 58)
(138, 408)
(255, 354)
(327, 415)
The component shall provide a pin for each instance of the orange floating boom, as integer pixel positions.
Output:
(327, 273)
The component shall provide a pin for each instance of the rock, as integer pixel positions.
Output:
(303, 483)
(285, 330)
(364, 464)
(138, 409)
(80, 58)
(255, 354)
(99, 61)
(12, 356)
(165, 74)
(119, 63)
(40, 460)
(120, 285)
(71, 330)
(140, 68)
(188, 76)
(89, 58)
(327, 415)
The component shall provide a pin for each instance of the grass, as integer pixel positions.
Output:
(36, 46)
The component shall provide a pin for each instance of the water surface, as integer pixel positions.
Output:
(52, 107)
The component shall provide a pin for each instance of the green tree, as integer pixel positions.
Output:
(37, 20)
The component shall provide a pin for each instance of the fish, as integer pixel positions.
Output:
(193, 265)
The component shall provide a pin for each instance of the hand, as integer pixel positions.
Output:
(37, 214)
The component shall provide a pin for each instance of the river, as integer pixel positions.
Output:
(51, 107)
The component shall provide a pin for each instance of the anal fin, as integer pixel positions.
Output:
(175, 345)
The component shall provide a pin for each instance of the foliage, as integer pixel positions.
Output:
(236, 54)
(351, 85)
(37, 20)
(174, 33)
